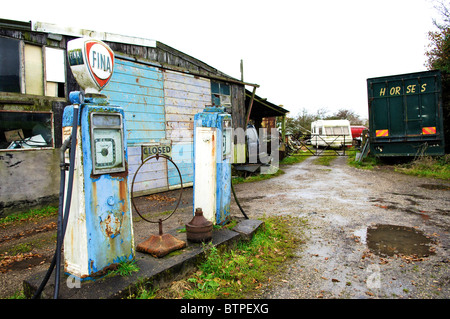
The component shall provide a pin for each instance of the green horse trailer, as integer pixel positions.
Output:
(407, 114)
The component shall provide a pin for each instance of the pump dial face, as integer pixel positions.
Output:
(107, 148)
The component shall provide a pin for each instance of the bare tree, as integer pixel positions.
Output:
(438, 55)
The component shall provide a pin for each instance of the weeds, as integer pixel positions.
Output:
(289, 160)
(423, 166)
(30, 215)
(125, 268)
(325, 159)
(294, 159)
(369, 162)
(427, 166)
(234, 273)
(256, 178)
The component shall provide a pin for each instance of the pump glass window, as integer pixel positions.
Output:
(107, 143)
(226, 147)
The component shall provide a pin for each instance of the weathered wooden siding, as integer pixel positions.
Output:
(139, 90)
(184, 96)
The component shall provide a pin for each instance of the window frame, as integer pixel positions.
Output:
(33, 148)
(19, 66)
(22, 76)
(220, 95)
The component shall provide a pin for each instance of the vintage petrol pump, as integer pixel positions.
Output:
(212, 164)
(99, 230)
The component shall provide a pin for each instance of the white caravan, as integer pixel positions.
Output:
(331, 133)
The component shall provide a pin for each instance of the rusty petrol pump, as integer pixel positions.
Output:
(99, 232)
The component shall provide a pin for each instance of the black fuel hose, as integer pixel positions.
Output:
(62, 165)
(63, 225)
(62, 219)
(237, 202)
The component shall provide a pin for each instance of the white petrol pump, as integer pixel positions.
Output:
(212, 164)
(99, 232)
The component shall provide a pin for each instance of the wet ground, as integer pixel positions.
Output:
(28, 247)
(369, 234)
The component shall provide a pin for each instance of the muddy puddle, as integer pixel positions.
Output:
(390, 240)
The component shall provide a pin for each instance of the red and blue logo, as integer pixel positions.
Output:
(100, 62)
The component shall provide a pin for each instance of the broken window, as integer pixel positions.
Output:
(34, 70)
(220, 94)
(9, 65)
(23, 66)
(20, 130)
(55, 75)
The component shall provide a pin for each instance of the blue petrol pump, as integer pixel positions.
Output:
(212, 164)
(99, 232)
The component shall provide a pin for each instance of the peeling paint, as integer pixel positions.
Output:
(108, 234)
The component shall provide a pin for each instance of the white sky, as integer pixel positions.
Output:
(303, 54)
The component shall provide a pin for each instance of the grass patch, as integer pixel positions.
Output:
(289, 160)
(325, 159)
(236, 272)
(427, 166)
(294, 158)
(30, 215)
(424, 166)
(125, 268)
(21, 249)
(255, 178)
(369, 162)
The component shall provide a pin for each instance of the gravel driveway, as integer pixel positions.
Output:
(370, 234)
(351, 249)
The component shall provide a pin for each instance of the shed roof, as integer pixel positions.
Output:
(263, 108)
(139, 48)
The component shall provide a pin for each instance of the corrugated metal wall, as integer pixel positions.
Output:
(139, 90)
(185, 96)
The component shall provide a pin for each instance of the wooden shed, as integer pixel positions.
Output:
(159, 87)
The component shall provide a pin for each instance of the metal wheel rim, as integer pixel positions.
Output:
(132, 187)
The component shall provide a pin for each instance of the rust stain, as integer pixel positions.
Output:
(123, 192)
(108, 228)
(112, 224)
(103, 272)
(91, 265)
(213, 149)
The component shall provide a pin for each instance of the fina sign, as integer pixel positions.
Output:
(92, 63)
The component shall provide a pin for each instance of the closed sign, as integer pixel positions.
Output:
(152, 150)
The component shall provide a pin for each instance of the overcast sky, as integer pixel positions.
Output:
(303, 54)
